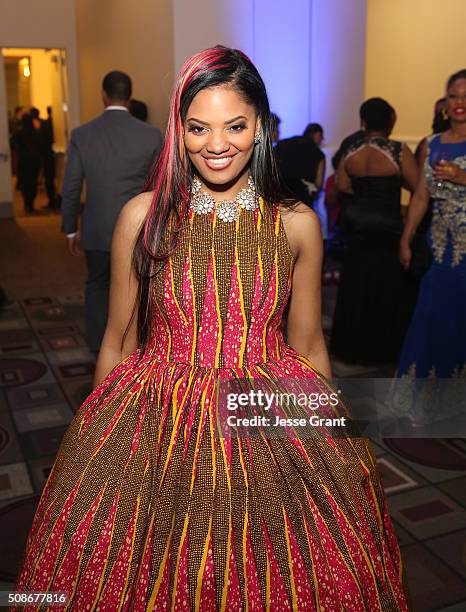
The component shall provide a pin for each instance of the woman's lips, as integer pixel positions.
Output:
(218, 163)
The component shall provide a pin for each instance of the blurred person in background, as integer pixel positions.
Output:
(275, 127)
(48, 159)
(435, 344)
(440, 123)
(36, 120)
(421, 260)
(302, 166)
(316, 132)
(14, 125)
(16, 122)
(138, 109)
(376, 296)
(113, 153)
(27, 146)
(332, 202)
(334, 245)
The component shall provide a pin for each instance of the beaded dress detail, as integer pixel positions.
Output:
(146, 508)
(432, 368)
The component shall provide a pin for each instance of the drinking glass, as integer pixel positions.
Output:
(437, 157)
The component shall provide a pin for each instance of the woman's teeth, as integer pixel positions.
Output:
(218, 162)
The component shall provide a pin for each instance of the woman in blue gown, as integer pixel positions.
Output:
(435, 345)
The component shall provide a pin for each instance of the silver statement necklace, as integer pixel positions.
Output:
(203, 203)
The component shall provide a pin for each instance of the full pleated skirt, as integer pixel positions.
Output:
(146, 508)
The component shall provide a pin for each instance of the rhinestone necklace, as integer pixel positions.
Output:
(203, 203)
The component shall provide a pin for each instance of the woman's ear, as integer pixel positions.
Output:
(258, 132)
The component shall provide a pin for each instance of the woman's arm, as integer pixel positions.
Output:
(123, 289)
(342, 178)
(320, 174)
(304, 326)
(417, 209)
(409, 169)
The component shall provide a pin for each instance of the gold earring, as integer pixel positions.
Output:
(257, 137)
(444, 113)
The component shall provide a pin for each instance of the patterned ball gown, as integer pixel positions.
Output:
(147, 508)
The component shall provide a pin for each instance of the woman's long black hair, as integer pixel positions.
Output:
(172, 175)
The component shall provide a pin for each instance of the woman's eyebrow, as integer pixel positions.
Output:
(235, 119)
(197, 120)
(226, 122)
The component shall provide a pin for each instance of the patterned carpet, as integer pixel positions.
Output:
(46, 372)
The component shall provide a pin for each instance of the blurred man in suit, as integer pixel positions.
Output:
(46, 138)
(114, 154)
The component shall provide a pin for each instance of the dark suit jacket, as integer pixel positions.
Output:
(114, 154)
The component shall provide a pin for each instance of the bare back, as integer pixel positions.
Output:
(374, 157)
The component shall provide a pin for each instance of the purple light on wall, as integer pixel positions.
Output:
(282, 54)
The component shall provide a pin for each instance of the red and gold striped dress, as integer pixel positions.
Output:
(147, 508)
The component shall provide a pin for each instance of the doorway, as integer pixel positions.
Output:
(32, 78)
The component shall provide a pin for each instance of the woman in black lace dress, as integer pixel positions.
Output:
(376, 296)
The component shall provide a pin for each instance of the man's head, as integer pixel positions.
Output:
(138, 109)
(116, 88)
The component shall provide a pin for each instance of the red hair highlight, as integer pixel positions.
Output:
(173, 156)
(172, 175)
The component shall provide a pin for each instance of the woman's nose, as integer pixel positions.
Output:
(217, 142)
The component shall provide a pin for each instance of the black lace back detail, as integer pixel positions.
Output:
(390, 148)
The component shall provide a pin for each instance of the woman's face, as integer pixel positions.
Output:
(456, 101)
(318, 137)
(219, 134)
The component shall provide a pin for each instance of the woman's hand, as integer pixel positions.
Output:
(449, 171)
(405, 254)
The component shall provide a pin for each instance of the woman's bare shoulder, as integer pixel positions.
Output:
(135, 210)
(138, 207)
(133, 215)
(302, 226)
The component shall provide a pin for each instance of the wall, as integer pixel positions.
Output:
(412, 48)
(41, 75)
(282, 53)
(137, 39)
(213, 22)
(275, 35)
(44, 24)
(17, 86)
(41, 24)
(310, 54)
(338, 47)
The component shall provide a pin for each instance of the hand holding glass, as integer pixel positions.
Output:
(437, 157)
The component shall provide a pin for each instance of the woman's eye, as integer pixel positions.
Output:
(196, 129)
(239, 127)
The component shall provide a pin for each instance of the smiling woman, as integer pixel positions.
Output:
(149, 506)
(221, 150)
